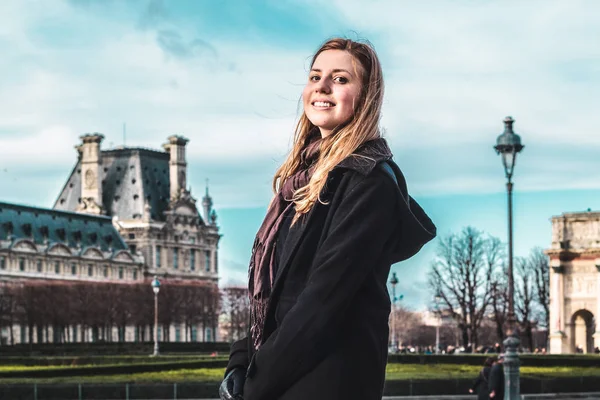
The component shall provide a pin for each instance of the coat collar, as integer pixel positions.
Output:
(367, 156)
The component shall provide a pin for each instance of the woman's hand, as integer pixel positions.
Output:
(232, 387)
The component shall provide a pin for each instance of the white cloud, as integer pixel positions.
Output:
(453, 71)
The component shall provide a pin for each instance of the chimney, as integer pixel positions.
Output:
(177, 165)
(91, 177)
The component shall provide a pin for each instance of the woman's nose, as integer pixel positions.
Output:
(323, 86)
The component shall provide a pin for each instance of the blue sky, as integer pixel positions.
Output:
(228, 75)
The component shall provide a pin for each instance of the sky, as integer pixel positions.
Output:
(228, 75)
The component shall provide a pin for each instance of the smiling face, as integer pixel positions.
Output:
(332, 90)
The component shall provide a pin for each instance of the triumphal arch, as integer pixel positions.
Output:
(575, 283)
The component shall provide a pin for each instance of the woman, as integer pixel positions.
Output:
(481, 383)
(340, 217)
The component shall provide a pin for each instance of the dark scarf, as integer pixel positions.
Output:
(262, 261)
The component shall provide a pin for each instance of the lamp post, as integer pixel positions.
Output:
(394, 282)
(438, 323)
(508, 145)
(155, 287)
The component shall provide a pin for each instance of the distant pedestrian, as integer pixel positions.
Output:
(481, 384)
(340, 217)
(496, 381)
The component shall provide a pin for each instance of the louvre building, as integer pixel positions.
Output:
(123, 216)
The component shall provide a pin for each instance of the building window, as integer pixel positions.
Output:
(207, 260)
(90, 270)
(208, 333)
(134, 275)
(177, 334)
(73, 269)
(175, 257)
(39, 266)
(194, 334)
(216, 267)
(157, 261)
(2, 263)
(56, 267)
(132, 248)
(120, 272)
(132, 236)
(21, 264)
(192, 259)
(105, 271)
(159, 334)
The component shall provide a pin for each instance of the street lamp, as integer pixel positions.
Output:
(509, 145)
(155, 287)
(394, 282)
(438, 323)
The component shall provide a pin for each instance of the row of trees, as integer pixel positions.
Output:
(52, 310)
(469, 280)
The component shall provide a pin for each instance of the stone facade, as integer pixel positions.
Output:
(145, 193)
(140, 195)
(575, 283)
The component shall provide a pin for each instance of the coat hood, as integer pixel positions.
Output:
(414, 225)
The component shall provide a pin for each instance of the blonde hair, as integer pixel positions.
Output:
(345, 139)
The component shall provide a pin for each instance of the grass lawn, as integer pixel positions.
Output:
(394, 372)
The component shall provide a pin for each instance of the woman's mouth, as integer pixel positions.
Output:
(323, 104)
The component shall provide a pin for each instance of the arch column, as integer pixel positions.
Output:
(558, 343)
(597, 315)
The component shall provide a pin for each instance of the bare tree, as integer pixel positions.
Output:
(499, 304)
(541, 274)
(524, 292)
(236, 306)
(462, 277)
(407, 326)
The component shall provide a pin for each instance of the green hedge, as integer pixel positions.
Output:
(532, 360)
(100, 348)
(431, 387)
(112, 369)
(73, 361)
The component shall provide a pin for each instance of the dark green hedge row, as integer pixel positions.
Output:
(113, 369)
(99, 348)
(530, 360)
(73, 361)
(209, 390)
(461, 386)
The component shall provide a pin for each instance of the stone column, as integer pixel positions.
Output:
(597, 315)
(91, 173)
(177, 164)
(557, 322)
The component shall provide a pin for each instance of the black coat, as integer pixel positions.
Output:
(327, 322)
(497, 380)
(481, 384)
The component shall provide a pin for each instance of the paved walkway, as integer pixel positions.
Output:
(548, 396)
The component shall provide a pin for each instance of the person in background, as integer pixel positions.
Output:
(496, 381)
(481, 386)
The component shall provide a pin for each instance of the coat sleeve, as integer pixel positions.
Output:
(238, 355)
(362, 224)
(476, 382)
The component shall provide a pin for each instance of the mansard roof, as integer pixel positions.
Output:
(131, 177)
(73, 229)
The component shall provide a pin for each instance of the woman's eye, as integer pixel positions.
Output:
(314, 78)
(340, 79)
